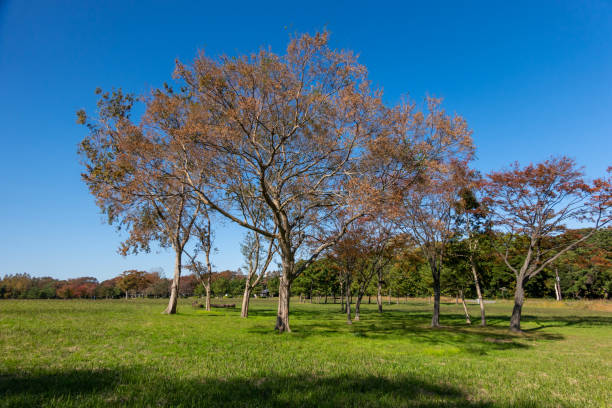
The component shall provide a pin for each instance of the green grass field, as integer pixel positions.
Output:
(125, 353)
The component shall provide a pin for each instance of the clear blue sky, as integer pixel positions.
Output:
(532, 79)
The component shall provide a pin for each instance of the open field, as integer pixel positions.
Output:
(125, 353)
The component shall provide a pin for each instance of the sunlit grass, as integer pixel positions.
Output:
(118, 353)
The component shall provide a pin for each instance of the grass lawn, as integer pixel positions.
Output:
(126, 353)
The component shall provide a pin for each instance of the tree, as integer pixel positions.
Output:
(257, 260)
(375, 243)
(531, 204)
(129, 171)
(348, 255)
(470, 225)
(204, 234)
(287, 133)
(425, 210)
(132, 280)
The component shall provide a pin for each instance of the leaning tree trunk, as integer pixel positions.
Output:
(557, 285)
(244, 312)
(519, 299)
(284, 294)
(483, 320)
(465, 310)
(435, 320)
(171, 309)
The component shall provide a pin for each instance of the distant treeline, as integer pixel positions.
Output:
(131, 283)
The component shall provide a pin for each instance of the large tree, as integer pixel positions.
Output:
(532, 204)
(293, 134)
(129, 171)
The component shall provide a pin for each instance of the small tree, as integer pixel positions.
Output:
(257, 260)
(203, 232)
(531, 204)
(471, 225)
(132, 280)
(426, 213)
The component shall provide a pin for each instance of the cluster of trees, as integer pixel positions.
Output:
(584, 273)
(129, 283)
(132, 283)
(302, 151)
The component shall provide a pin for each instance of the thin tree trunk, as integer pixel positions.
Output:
(519, 299)
(467, 315)
(342, 297)
(435, 320)
(557, 285)
(483, 320)
(357, 306)
(284, 294)
(246, 297)
(207, 287)
(379, 296)
(348, 301)
(171, 309)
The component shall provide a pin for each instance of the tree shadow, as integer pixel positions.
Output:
(411, 326)
(137, 387)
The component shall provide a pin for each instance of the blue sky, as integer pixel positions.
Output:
(533, 79)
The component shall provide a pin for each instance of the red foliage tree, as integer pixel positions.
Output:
(531, 204)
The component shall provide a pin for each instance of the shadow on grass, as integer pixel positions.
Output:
(137, 387)
(410, 326)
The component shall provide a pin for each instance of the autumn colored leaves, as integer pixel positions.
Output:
(295, 148)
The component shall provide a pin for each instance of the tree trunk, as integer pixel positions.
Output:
(348, 302)
(342, 297)
(483, 320)
(435, 320)
(244, 311)
(467, 315)
(126, 295)
(284, 294)
(171, 309)
(357, 306)
(519, 299)
(557, 285)
(379, 296)
(207, 287)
